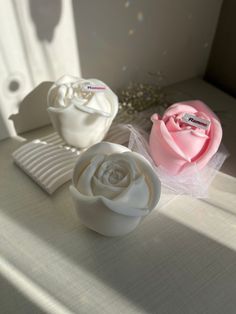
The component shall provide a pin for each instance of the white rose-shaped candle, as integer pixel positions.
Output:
(81, 110)
(113, 189)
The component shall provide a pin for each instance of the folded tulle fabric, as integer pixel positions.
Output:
(193, 181)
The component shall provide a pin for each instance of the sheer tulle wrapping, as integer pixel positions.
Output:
(192, 181)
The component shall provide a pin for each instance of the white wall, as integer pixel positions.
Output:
(113, 40)
(222, 62)
(37, 44)
(121, 41)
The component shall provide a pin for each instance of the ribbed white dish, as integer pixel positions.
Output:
(49, 161)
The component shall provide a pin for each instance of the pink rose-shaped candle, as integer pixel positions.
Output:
(177, 144)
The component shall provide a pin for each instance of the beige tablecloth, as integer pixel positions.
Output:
(181, 259)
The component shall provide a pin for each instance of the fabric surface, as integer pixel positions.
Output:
(181, 259)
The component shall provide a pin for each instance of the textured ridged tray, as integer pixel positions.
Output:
(49, 161)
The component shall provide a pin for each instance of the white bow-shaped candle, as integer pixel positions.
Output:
(81, 110)
(113, 188)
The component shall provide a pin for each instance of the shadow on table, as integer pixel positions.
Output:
(161, 267)
(12, 301)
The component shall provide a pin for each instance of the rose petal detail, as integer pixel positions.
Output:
(196, 145)
(200, 133)
(126, 162)
(134, 198)
(154, 117)
(172, 125)
(88, 109)
(97, 149)
(122, 214)
(164, 151)
(124, 182)
(84, 182)
(81, 118)
(108, 191)
(189, 142)
(215, 138)
(166, 141)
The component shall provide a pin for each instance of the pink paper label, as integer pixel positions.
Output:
(94, 88)
(196, 121)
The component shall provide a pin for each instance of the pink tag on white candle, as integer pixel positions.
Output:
(93, 88)
(196, 121)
